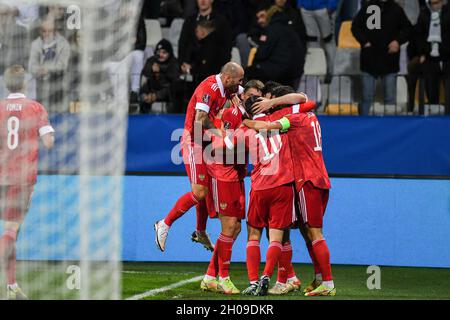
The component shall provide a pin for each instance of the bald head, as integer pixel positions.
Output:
(233, 69)
(232, 75)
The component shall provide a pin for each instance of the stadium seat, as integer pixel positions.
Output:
(315, 67)
(381, 109)
(251, 56)
(315, 62)
(174, 33)
(154, 32)
(235, 56)
(343, 109)
(346, 62)
(346, 38)
(402, 91)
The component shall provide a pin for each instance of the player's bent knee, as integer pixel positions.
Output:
(200, 192)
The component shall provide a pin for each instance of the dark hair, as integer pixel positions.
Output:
(269, 86)
(263, 6)
(249, 104)
(282, 91)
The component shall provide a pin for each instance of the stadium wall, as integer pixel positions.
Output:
(395, 222)
(352, 145)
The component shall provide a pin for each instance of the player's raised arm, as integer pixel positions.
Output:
(264, 105)
(283, 124)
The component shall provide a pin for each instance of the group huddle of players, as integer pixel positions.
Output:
(289, 183)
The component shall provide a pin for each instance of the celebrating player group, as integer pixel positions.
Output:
(272, 127)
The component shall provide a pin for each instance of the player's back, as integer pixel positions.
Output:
(209, 97)
(22, 121)
(305, 139)
(228, 168)
(271, 158)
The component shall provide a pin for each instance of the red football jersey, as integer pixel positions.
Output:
(270, 155)
(305, 140)
(209, 96)
(236, 167)
(296, 108)
(22, 122)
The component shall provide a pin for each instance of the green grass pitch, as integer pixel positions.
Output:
(351, 282)
(47, 280)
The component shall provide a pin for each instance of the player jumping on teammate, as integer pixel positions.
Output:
(208, 98)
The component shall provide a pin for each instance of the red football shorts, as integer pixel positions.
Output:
(226, 198)
(195, 166)
(273, 208)
(14, 202)
(312, 203)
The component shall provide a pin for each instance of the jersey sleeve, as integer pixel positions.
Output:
(231, 118)
(203, 99)
(295, 120)
(44, 126)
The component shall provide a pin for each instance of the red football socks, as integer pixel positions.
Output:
(202, 215)
(253, 260)
(285, 268)
(184, 203)
(225, 244)
(273, 255)
(313, 258)
(213, 267)
(11, 268)
(322, 255)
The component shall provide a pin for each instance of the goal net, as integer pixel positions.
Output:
(76, 58)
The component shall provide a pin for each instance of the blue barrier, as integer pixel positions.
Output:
(352, 145)
(368, 221)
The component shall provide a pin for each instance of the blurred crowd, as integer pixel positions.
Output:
(271, 37)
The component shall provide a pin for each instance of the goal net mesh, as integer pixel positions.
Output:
(75, 54)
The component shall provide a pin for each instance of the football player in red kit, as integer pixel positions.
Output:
(22, 123)
(311, 186)
(209, 97)
(227, 197)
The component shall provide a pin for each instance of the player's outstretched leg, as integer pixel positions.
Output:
(183, 204)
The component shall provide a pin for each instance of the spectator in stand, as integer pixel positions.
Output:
(295, 19)
(126, 67)
(433, 38)
(207, 57)
(234, 12)
(188, 40)
(281, 55)
(49, 59)
(319, 17)
(14, 44)
(160, 73)
(74, 69)
(256, 35)
(169, 10)
(380, 50)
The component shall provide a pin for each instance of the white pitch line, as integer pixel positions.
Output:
(163, 289)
